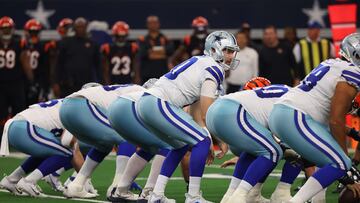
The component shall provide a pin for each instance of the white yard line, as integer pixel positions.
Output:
(64, 198)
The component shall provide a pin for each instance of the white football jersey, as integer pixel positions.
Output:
(44, 115)
(259, 102)
(313, 95)
(103, 96)
(182, 85)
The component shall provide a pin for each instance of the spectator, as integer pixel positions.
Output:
(247, 68)
(78, 61)
(14, 62)
(118, 62)
(311, 50)
(154, 49)
(290, 36)
(245, 27)
(276, 60)
(193, 44)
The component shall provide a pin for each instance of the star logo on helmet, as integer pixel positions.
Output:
(218, 39)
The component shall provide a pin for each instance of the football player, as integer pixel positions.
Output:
(241, 120)
(86, 113)
(315, 115)
(36, 131)
(39, 89)
(119, 66)
(124, 119)
(14, 62)
(193, 44)
(160, 108)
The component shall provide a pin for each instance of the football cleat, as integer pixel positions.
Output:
(237, 196)
(76, 190)
(123, 196)
(154, 198)
(195, 199)
(89, 187)
(24, 186)
(10, 186)
(145, 195)
(54, 182)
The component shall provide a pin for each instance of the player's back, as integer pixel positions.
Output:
(313, 95)
(259, 102)
(44, 115)
(103, 96)
(182, 85)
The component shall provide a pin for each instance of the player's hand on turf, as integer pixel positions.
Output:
(224, 148)
(229, 162)
(355, 188)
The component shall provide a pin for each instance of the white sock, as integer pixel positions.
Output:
(35, 176)
(234, 183)
(60, 171)
(155, 171)
(194, 186)
(308, 190)
(256, 190)
(282, 188)
(86, 170)
(244, 187)
(160, 185)
(319, 197)
(134, 166)
(17, 174)
(121, 162)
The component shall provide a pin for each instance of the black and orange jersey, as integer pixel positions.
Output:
(120, 61)
(10, 64)
(37, 59)
(194, 46)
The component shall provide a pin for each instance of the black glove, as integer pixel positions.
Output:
(354, 134)
(352, 176)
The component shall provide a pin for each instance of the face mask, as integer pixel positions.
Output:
(201, 35)
(6, 37)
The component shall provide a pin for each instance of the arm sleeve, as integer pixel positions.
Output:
(351, 78)
(209, 89)
(215, 74)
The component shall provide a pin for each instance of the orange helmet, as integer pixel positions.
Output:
(120, 28)
(256, 82)
(199, 22)
(7, 27)
(32, 25)
(355, 106)
(63, 26)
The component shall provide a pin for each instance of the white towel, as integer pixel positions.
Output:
(4, 149)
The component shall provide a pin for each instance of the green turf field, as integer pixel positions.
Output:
(213, 189)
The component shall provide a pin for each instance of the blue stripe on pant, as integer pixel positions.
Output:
(309, 138)
(124, 119)
(230, 122)
(35, 141)
(89, 124)
(171, 124)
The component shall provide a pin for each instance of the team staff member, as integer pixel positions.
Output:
(312, 49)
(78, 60)
(154, 49)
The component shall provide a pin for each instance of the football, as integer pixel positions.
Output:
(347, 196)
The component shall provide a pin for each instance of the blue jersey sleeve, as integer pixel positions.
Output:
(353, 78)
(216, 74)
